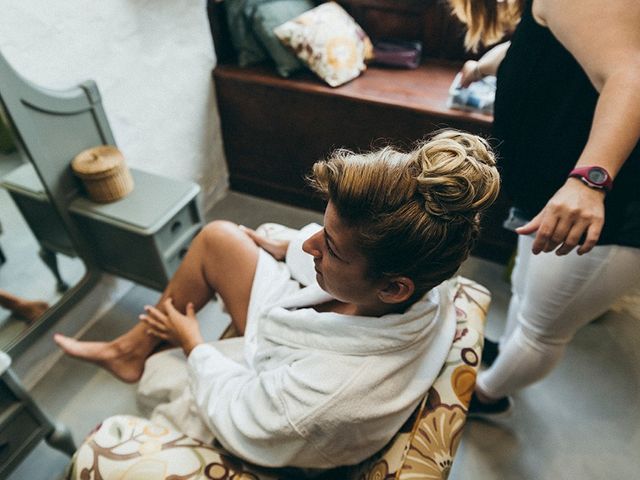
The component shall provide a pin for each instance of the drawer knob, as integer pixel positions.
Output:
(176, 226)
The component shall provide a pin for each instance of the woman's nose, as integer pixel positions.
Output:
(311, 245)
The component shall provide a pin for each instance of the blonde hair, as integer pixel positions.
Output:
(487, 21)
(415, 214)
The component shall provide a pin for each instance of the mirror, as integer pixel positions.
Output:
(38, 263)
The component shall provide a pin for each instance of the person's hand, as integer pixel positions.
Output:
(470, 73)
(173, 327)
(277, 248)
(574, 214)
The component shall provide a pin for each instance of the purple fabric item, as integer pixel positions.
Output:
(398, 53)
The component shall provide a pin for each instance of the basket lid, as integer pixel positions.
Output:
(97, 160)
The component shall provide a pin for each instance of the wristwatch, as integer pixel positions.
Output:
(594, 177)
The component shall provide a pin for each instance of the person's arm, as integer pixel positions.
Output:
(474, 70)
(605, 40)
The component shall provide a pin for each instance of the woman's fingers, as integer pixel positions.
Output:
(155, 327)
(155, 313)
(573, 238)
(544, 233)
(258, 239)
(153, 323)
(593, 234)
(276, 248)
(532, 226)
(160, 335)
(560, 233)
(469, 73)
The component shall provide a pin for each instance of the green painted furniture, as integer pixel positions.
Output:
(23, 424)
(145, 235)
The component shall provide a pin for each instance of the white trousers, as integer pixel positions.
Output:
(551, 298)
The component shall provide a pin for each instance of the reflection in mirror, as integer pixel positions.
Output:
(37, 260)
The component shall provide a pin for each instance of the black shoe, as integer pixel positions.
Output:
(490, 352)
(499, 409)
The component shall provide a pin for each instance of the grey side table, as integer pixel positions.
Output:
(145, 235)
(23, 424)
(142, 237)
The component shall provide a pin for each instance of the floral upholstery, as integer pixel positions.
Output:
(126, 447)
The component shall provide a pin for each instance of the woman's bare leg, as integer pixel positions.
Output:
(29, 310)
(221, 259)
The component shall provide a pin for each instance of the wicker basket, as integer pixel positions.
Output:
(103, 173)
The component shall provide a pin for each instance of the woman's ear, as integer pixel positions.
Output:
(397, 290)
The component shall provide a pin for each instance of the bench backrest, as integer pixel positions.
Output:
(428, 21)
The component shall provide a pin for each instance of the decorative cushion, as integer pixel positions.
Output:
(128, 448)
(329, 42)
(245, 43)
(268, 15)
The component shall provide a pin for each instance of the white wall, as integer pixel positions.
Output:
(152, 61)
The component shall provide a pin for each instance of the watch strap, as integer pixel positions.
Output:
(586, 174)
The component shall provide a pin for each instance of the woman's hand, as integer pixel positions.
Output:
(470, 73)
(473, 70)
(173, 327)
(574, 214)
(277, 248)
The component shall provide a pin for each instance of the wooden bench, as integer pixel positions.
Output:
(275, 128)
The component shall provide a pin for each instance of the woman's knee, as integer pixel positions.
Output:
(545, 342)
(221, 235)
(222, 244)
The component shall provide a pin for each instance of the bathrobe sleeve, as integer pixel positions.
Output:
(300, 264)
(244, 409)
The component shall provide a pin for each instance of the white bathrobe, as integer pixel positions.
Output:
(303, 388)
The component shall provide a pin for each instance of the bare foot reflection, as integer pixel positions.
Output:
(29, 310)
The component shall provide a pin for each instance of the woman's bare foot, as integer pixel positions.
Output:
(30, 310)
(124, 362)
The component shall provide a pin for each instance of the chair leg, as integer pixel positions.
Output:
(51, 261)
(60, 439)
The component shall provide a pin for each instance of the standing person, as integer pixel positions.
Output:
(567, 124)
(345, 328)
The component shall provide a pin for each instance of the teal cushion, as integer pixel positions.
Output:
(267, 15)
(245, 43)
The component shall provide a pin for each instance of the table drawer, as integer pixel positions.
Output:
(176, 228)
(17, 431)
(174, 255)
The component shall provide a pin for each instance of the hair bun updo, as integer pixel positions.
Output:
(456, 175)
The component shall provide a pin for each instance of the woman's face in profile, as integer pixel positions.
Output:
(341, 270)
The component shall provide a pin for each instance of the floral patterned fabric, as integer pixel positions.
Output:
(329, 42)
(128, 448)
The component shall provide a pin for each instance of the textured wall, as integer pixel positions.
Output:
(152, 61)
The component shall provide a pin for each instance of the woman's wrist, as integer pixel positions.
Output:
(477, 72)
(191, 342)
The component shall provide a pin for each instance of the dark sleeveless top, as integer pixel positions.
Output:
(543, 113)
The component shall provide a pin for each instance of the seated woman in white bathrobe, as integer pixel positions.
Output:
(345, 328)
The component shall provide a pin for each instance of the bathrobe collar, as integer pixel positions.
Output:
(292, 322)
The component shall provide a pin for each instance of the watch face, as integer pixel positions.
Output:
(597, 175)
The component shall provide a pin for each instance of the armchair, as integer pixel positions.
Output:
(128, 447)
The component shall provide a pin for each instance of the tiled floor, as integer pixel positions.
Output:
(582, 422)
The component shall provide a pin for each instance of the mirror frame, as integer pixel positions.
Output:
(23, 102)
